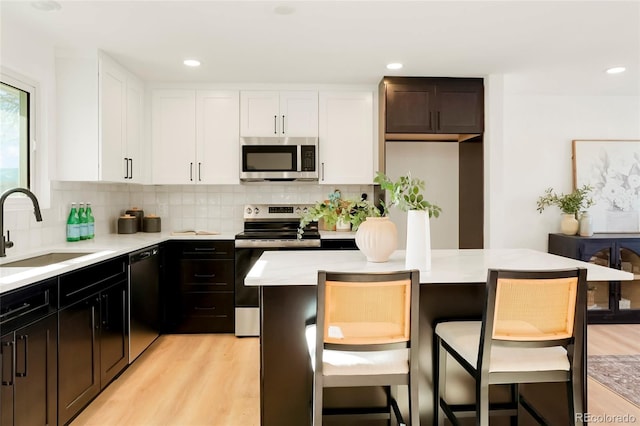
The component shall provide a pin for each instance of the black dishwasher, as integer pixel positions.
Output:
(144, 304)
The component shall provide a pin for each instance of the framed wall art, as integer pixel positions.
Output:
(612, 168)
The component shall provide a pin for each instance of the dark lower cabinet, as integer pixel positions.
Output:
(93, 342)
(29, 374)
(199, 289)
(79, 357)
(29, 355)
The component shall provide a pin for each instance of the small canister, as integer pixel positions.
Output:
(127, 224)
(139, 214)
(151, 223)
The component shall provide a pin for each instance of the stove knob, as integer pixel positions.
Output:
(248, 210)
(297, 210)
(256, 210)
(305, 210)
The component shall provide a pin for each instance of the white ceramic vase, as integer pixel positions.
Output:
(586, 225)
(377, 238)
(418, 253)
(569, 225)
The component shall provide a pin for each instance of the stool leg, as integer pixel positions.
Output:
(574, 402)
(439, 381)
(414, 407)
(317, 400)
(482, 402)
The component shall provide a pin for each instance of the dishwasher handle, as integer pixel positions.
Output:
(142, 255)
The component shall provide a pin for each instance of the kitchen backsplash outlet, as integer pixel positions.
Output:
(181, 207)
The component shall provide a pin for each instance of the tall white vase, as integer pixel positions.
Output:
(418, 253)
(377, 238)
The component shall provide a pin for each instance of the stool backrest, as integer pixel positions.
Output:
(365, 308)
(534, 309)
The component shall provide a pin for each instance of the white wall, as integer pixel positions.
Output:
(437, 164)
(535, 133)
(33, 57)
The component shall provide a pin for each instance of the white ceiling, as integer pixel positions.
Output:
(560, 46)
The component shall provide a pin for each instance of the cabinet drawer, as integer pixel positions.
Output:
(27, 304)
(205, 249)
(206, 275)
(207, 312)
(79, 284)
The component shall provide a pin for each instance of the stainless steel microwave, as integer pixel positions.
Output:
(279, 158)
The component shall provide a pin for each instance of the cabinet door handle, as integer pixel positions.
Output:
(323, 171)
(431, 120)
(204, 275)
(199, 171)
(105, 314)
(283, 124)
(25, 357)
(131, 169)
(126, 168)
(205, 248)
(438, 119)
(191, 172)
(9, 345)
(275, 124)
(198, 308)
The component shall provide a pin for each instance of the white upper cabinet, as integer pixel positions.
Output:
(217, 141)
(285, 113)
(195, 136)
(347, 142)
(173, 136)
(100, 113)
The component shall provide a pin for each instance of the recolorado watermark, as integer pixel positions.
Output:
(606, 418)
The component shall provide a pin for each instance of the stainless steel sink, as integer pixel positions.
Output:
(43, 260)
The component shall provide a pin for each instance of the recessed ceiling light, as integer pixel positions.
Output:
(394, 66)
(284, 9)
(46, 5)
(191, 62)
(616, 70)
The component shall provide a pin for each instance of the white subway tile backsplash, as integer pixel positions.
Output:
(210, 207)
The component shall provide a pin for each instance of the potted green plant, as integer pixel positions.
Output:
(569, 204)
(337, 211)
(406, 194)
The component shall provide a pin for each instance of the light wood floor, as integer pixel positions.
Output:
(611, 339)
(186, 380)
(213, 380)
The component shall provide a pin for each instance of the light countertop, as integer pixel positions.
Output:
(100, 248)
(277, 268)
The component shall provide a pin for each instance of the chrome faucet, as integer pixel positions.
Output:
(7, 243)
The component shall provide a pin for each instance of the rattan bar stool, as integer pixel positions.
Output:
(368, 331)
(532, 331)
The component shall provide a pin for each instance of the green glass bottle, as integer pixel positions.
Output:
(82, 215)
(91, 228)
(73, 224)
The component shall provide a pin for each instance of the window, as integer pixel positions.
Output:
(16, 118)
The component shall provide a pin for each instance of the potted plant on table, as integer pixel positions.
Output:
(406, 194)
(569, 204)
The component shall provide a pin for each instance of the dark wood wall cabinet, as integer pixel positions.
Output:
(608, 302)
(29, 355)
(441, 109)
(93, 343)
(416, 107)
(200, 287)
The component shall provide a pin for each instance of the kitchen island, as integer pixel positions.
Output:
(453, 288)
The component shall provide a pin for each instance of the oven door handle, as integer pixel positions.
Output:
(277, 243)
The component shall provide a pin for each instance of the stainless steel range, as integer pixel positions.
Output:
(266, 227)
